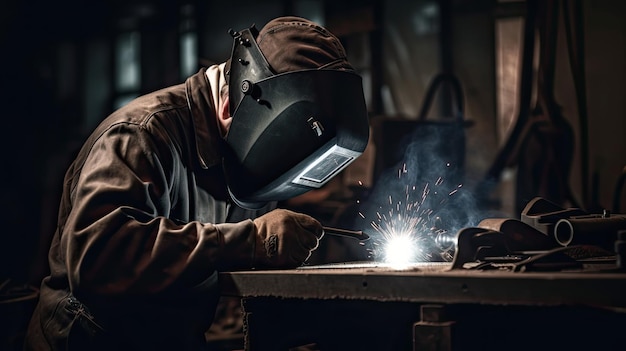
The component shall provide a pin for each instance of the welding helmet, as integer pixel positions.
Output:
(291, 132)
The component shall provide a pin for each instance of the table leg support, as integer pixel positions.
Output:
(434, 332)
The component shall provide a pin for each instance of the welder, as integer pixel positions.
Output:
(182, 183)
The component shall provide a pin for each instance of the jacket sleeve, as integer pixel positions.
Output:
(118, 237)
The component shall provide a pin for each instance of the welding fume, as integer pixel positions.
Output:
(419, 201)
(183, 183)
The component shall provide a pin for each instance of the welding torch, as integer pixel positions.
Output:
(354, 234)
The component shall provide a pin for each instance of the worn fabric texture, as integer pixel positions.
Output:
(294, 43)
(134, 260)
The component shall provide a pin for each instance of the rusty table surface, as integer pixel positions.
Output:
(430, 283)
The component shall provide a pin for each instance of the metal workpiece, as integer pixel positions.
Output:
(547, 237)
(543, 214)
(592, 230)
(573, 226)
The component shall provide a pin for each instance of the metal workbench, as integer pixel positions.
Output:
(370, 306)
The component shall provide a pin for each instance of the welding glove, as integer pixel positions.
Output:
(285, 239)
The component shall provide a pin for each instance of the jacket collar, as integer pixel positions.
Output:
(202, 103)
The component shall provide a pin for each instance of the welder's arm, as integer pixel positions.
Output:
(278, 239)
(118, 237)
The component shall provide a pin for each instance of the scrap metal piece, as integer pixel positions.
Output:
(518, 235)
(469, 241)
(593, 230)
(547, 237)
(542, 214)
(573, 226)
(498, 237)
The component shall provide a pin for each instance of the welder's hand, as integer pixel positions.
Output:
(285, 239)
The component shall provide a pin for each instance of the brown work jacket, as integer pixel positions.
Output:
(144, 226)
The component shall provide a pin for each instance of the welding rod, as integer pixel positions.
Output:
(355, 234)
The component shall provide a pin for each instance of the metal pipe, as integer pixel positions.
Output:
(598, 230)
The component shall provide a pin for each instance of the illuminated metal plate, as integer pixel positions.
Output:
(417, 266)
